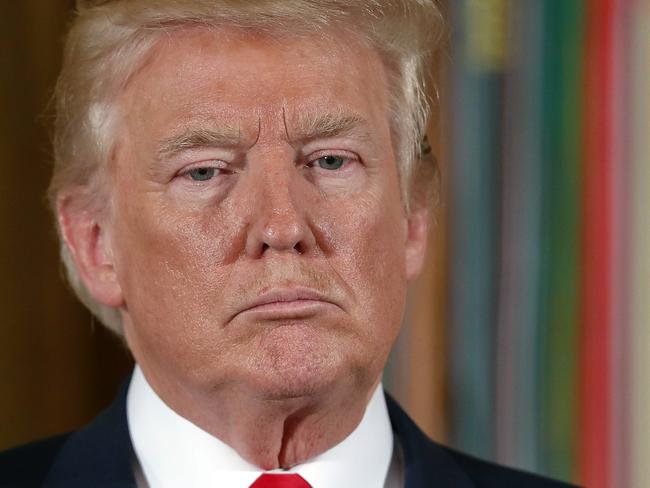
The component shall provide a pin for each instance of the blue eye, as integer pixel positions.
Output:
(330, 162)
(202, 174)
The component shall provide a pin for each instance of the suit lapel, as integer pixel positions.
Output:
(426, 464)
(100, 455)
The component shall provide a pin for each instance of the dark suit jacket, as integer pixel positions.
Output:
(101, 456)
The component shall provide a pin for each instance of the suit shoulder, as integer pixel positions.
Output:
(428, 460)
(487, 475)
(27, 465)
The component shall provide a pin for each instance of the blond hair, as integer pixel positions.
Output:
(109, 39)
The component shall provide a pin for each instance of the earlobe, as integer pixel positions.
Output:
(87, 239)
(416, 241)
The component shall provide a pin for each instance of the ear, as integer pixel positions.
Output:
(416, 241)
(87, 238)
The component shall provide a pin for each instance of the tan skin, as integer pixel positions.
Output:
(250, 167)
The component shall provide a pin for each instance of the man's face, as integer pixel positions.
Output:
(257, 231)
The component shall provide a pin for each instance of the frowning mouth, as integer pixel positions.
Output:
(287, 303)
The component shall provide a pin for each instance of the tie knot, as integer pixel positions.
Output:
(268, 480)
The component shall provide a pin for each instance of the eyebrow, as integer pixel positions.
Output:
(333, 124)
(198, 138)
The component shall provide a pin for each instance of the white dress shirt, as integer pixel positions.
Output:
(173, 452)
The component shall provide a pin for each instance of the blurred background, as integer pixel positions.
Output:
(527, 337)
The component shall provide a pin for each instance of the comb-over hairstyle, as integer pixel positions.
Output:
(109, 40)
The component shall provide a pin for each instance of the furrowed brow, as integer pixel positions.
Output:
(198, 138)
(328, 125)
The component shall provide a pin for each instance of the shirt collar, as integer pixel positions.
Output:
(174, 452)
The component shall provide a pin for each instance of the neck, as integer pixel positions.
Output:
(272, 432)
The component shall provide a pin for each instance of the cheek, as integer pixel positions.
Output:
(174, 270)
(368, 242)
(171, 257)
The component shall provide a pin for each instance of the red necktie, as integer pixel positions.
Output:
(268, 480)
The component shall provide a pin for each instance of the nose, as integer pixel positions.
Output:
(280, 215)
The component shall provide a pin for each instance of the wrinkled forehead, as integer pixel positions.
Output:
(243, 78)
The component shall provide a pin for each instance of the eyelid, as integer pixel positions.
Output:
(341, 153)
(207, 163)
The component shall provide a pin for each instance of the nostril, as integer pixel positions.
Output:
(281, 232)
(298, 248)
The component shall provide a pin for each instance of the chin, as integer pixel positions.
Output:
(296, 361)
(292, 385)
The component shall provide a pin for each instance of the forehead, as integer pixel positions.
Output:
(237, 76)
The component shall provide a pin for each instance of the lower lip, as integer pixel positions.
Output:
(287, 310)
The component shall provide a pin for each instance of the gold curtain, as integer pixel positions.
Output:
(58, 368)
